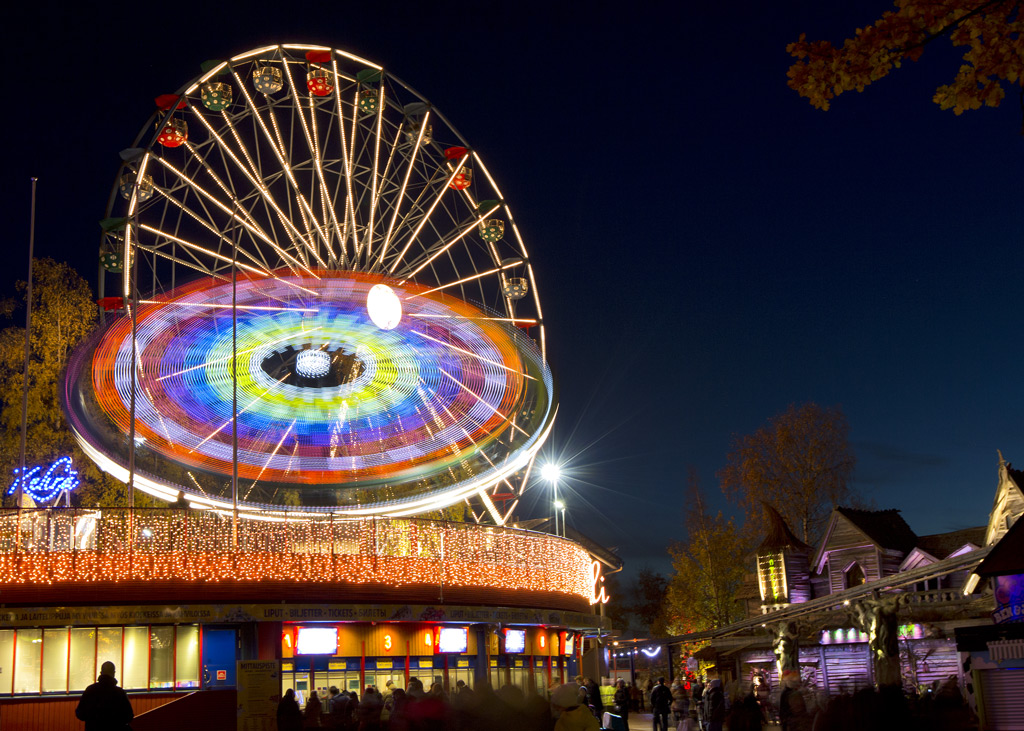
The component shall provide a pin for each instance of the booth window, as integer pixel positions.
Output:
(161, 658)
(186, 657)
(135, 670)
(28, 649)
(6, 661)
(67, 660)
(55, 660)
(82, 668)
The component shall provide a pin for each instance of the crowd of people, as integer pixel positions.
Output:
(582, 706)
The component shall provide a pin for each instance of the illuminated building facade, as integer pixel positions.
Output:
(945, 615)
(175, 598)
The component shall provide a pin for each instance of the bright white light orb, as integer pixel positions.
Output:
(550, 472)
(384, 307)
(313, 364)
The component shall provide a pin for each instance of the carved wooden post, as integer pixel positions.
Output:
(879, 618)
(785, 636)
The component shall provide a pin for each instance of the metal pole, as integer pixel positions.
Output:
(133, 298)
(234, 387)
(28, 342)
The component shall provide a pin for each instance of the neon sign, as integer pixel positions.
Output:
(596, 596)
(651, 653)
(60, 477)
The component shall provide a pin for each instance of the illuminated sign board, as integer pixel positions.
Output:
(317, 641)
(515, 640)
(452, 639)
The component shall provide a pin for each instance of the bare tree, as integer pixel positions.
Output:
(800, 462)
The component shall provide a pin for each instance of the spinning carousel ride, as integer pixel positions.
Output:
(323, 303)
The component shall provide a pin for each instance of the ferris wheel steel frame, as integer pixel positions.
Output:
(298, 186)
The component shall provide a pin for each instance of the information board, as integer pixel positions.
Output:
(259, 690)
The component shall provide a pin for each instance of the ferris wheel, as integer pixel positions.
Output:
(323, 302)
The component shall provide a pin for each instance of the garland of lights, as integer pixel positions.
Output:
(197, 546)
(448, 400)
(59, 477)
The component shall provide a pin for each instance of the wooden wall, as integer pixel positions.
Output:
(57, 713)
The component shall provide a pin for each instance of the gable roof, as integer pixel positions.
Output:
(886, 528)
(941, 545)
(1006, 556)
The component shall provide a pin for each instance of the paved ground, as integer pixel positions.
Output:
(643, 722)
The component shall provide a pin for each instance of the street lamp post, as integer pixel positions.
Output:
(551, 472)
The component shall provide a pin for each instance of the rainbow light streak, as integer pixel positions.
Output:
(441, 407)
(60, 477)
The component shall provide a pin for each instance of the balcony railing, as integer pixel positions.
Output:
(117, 544)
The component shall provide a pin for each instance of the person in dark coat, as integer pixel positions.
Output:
(714, 705)
(103, 706)
(289, 715)
(622, 701)
(313, 712)
(594, 697)
(661, 702)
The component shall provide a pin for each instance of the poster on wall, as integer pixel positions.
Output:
(1009, 596)
(259, 690)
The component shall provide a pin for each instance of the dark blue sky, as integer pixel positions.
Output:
(709, 248)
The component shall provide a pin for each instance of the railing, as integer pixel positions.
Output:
(119, 544)
(937, 596)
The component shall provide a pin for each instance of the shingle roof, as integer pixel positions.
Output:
(940, 545)
(885, 527)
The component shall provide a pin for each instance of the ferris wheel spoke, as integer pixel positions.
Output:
(401, 192)
(381, 103)
(426, 217)
(379, 181)
(258, 181)
(442, 246)
(348, 215)
(225, 187)
(313, 140)
(279, 155)
(177, 260)
(202, 249)
(217, 233)
(303, 203)
(202, 194)
(470, 278)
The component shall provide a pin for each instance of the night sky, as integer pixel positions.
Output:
(709, 248)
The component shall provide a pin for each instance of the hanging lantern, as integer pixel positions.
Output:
(216, 96)
(368, 101)
(174, 133)
(492, 230)
(128, 183)
(320, 82)
(515, 288)
(111, 261)
(267, 79)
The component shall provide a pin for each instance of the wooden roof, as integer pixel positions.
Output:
(886, 528)
(777, 533)
(1007, 556)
